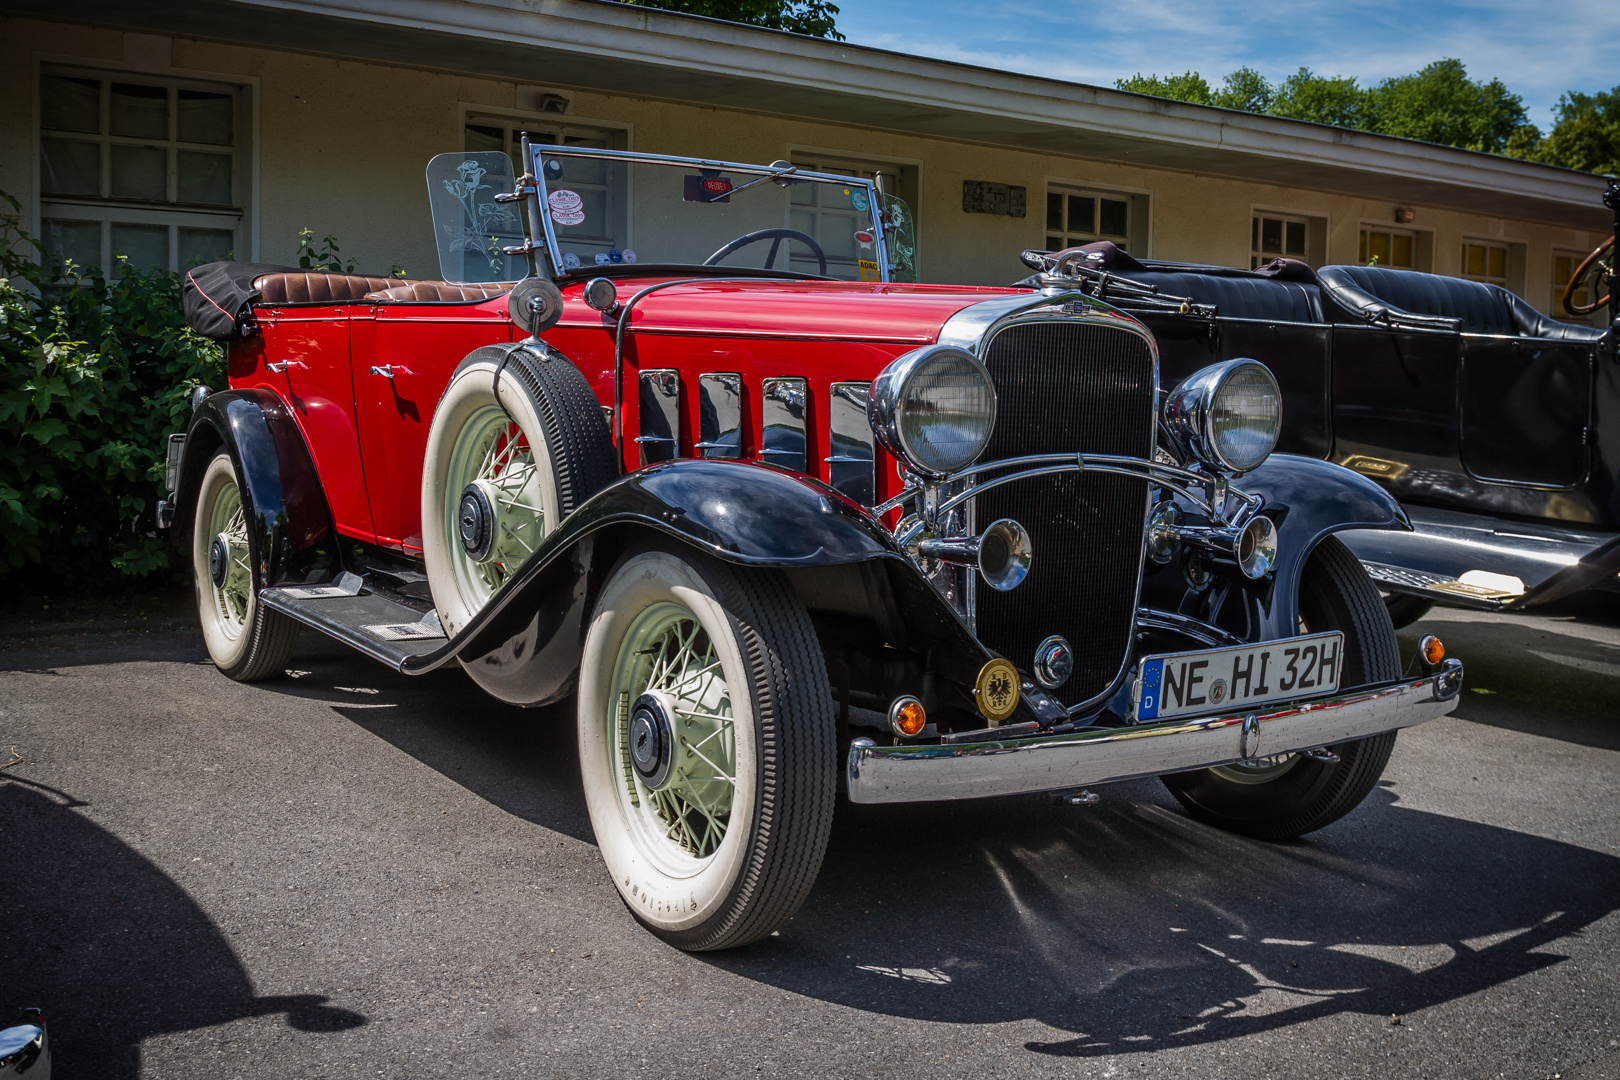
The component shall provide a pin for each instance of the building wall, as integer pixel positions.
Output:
(339, 147)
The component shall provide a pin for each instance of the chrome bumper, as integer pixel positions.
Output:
(882, 774)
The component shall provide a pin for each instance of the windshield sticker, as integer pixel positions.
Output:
(708, 187)
(615, 255)
(857, 198)
(863, 238)
(570, 261)
(602, 258)
(553, 169)
(629, 255)
(869, 270)
(567, 208)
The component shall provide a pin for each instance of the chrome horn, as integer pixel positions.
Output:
(1001, 554)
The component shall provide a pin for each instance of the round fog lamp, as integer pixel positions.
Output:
(934, 409)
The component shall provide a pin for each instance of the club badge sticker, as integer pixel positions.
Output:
(567, 208)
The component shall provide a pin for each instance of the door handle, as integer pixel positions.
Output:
(282, 365)
(387, 371)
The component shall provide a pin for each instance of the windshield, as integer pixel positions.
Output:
(606, 208)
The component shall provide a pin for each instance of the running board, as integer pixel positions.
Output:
(1447, 590)
(381, 628)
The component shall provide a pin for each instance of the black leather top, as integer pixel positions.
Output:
(1246, 297)
(1369, 293)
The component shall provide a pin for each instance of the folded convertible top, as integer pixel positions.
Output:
(219, 297)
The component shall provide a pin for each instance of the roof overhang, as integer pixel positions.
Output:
(640, 52)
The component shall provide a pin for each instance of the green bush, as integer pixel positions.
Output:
(95, 372)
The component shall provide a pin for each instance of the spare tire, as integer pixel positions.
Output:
(517, 443)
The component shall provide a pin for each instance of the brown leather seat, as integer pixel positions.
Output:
(438, 292)
(305, 287)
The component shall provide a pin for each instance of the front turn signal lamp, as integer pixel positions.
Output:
(1432, 650)
(907, 717)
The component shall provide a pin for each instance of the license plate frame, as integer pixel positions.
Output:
(1271, 671)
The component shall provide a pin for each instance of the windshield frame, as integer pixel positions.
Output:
(538, 203)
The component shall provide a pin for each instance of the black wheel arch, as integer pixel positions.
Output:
(292, 529)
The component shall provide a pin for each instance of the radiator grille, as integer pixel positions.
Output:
(1067, 387)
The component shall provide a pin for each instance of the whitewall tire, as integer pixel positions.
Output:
(246, 641)
(706, 743)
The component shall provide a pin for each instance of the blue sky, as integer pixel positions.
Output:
(1539, 50)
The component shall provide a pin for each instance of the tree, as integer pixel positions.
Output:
(1438, 104)
(1441, 104)
(1585, 136)
(1189, 87)
(812, 17)
(1321, 99)
(1246, 90)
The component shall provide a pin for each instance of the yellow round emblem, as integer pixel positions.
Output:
(997, 690)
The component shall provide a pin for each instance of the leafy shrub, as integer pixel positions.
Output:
(95, 372)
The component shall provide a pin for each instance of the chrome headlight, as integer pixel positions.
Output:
(934, 409)
(1227, 415)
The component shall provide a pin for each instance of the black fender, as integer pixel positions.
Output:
(290, 524)
(1307, 499)
(530, 635)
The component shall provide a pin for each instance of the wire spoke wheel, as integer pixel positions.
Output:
(683, 819)
(706, 746)
(494, 453)
(246, 640)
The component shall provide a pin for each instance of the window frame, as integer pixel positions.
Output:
(1488, 244)
(240, 217)
(1366, 228)
(1068, 237)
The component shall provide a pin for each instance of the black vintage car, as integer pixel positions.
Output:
(1497, 427)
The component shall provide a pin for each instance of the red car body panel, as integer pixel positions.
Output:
(367, 432)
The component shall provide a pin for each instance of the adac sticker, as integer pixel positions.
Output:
(869, 270)
(567, 208)
(857, 198)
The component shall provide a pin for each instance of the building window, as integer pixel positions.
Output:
(1273, 236)
(1563, 266)
(829, 214)
(1390, 248)
(1485, 261)
(1083, 217)
(149, 169)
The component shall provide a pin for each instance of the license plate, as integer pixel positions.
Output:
(1215, 680)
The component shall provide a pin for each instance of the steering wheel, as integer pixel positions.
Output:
(1594, 267)
(775, 236)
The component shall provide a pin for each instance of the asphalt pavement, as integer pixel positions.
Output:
(350, 873)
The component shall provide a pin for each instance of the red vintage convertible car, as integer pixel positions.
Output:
(785, 529)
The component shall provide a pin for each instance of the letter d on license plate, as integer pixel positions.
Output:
(1224, 680)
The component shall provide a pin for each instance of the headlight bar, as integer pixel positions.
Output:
(1205, 491)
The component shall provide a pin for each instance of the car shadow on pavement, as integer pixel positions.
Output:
(523, 760)
(112, 949)
(1133, 928)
